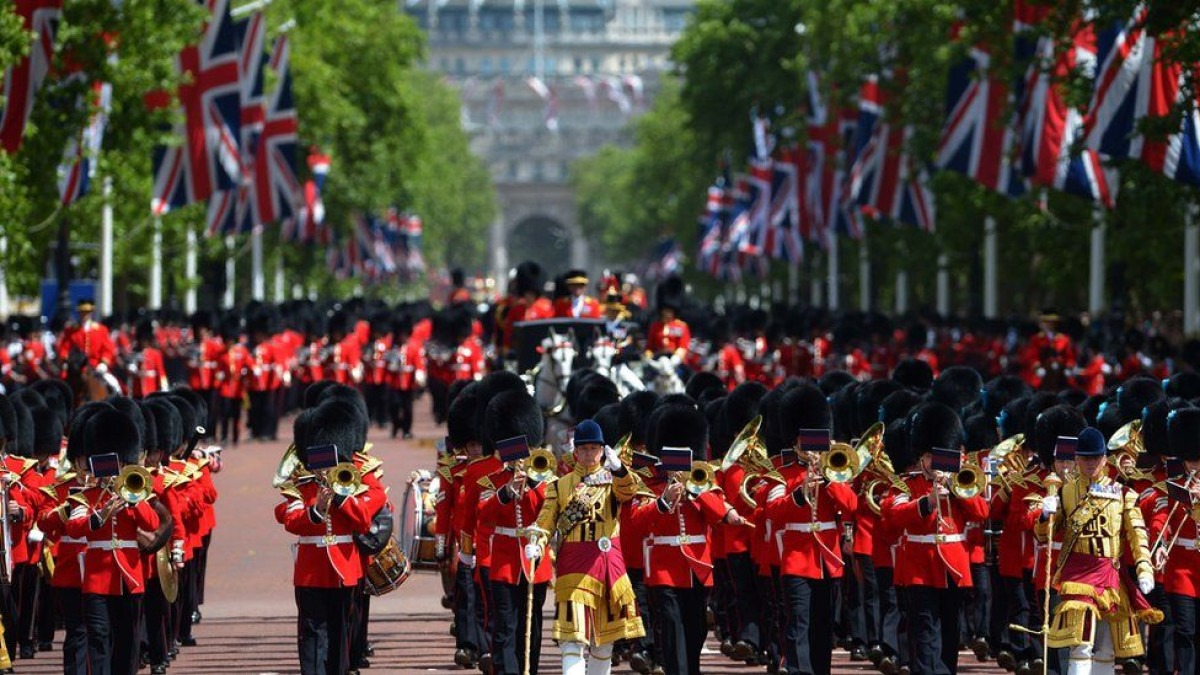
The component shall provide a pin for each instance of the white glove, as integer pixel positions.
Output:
(533, 552)
(1145, 584)
(468, 560)
(421, 379)
(1049, 505)
(612, 461)
(102, 368)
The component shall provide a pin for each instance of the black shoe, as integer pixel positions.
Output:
(1130, 666)
(45, 646)
(158, 669)
(369, 650)
(361, 663)
(465, 658)
(485, 664)
(726, 647)
(859, 653)
(875, 655)
(743, 651)
(1006, 660)
(407, 435)
(1038, 667)
(887, 666)
(1024, 668)
(188, 641)
(27, 652)
(197, 617)
(979, 645)
(639, 662)
(904, 670)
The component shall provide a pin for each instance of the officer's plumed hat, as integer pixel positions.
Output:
(1183, 433)
(575, 277)
(933, 425)
(509, 414)
(112, 431)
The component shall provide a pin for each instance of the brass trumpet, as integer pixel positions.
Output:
(541, 465)
(699, 479)
(1161, 549)
(344, 479)
(970, 481)
(842, 463)
(134, 484)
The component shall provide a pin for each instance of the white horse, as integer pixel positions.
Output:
(601, 353)
(666, 378)
(550, 378)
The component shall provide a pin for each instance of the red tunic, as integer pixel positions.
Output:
(808, 539)
(932, 553)
(676, 547)
(113, 561)
(668, 338)
(326, 555)
(508, 563)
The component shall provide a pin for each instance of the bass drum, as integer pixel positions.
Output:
(416, 519)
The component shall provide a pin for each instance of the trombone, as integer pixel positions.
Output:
(1161, 549)
(134, 484)
(697, 480)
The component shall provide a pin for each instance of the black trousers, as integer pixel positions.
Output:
(1019, 593)
(862, 601)
(360, 621)
(483, 608)
(748, 603)
(980, 602)
(264, 418)
(201, 556)
(376, 397)
(891, 637)
(75, 641)
(933, 630)
(637, 579)
(683, 626)
(720, 600)
(809, 637)
(230, 416)
(402, 410)
(47, 611)
(1183, 610)
(778, 617)
(439, 398)
(998, 612)
(509, 602)
(185, 604)
(323, 629)
(112, 632)
(25, 587)
(157, 613)
(466, 626)
(1160, 648)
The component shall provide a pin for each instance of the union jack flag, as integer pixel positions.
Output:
(208, 159)
(275, 180)
(718, 257)
(977, 139)
(1134, 81)
(884, 180)
(830, 136)
(78, 167)
(22, 81)
(234, 211)
(784, 240)
(1050, 128)
(749, 218)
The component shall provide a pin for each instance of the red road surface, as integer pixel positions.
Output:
(249, 610)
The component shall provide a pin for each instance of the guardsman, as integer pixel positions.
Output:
(462, 438)
(206, 364)
(576, 304)
(670, 335)
(92, 339)
(805, 514)
(1178, 554)
(408, 376)
(148, 369)
(263, 381)
(529, 303)
(325, 518)
(1099, 609)
(596, 603)
(26, 554)
(679, 565)
(511, 504)
(377, 376)
(933, 562)
(115, 581)
(1049, 356)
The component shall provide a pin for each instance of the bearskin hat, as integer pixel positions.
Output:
(669, 294)
(512, 413)
(1073, 396)
(312, 393)
(1011, 419)
(341, 423)
(957, 387)
(461, 415)
(168, 424)
(741, 406)
(1183, 433)
(635, 413)
(804, 407)
(57, 395)
(897, 405)
(47, 432)
(1184, 385)
(198, 404)
(933, 425)
(301, 427)
(895, 445)
(24, 446)
(609, 420)
(1136, 395)
(579, 381)
(130, 407)
(834, 380)
(113, 431)
(149, 427)
(456, 388)
(702, 381)
(980, 433)
(595, 396)
(680, 426)
(1000, 391)
(914, 374)
(1055, 421)
(187, 415)
(490, 386)
(76, 441)
(529, 278)
(1108, 420)
(31, 398)
(1154, 425)
(868, 398)
(844, 404)
(344, 392)
(338, 324)
(8, 421)
(1039, 402)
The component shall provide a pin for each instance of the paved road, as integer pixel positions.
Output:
(249, 611)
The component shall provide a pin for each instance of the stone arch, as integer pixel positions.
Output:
(524, 211)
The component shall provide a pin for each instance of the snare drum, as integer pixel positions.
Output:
(388, 570)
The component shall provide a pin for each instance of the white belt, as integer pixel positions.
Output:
(110, 544)
(936, 538)
(72, 540)
(810, 527)
(510, 532)
(681, 540)
(323, 541)
(1193, 544)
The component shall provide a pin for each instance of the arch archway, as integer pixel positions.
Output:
(543, 239)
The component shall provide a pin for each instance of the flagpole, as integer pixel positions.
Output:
(793, 284)
(257, 283)
(1191, 272)
(106, 249)
(990, 242)
(4, 310)
(943, 284)
(189, 271)
(833, 271)
(230, 298)
(155, 299)
(864, 274)
(1096, 271)
(901, 291)
(279, 281)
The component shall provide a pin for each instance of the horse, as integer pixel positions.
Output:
(601, 353)
(550, 378)
(664, 376)
(87, 385)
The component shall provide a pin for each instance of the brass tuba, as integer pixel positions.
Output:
(1010, 462)
(748, 452)
(842, 463)
(134, 484)
(287, 467)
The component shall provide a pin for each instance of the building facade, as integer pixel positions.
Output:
(544, 83)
